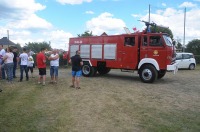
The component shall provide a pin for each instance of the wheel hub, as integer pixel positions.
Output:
(86, 69)
(147, 74)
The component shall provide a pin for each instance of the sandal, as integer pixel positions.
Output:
(72, 86)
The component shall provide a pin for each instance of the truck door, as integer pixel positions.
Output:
(157, 50)
(153, 47)
(130, 53)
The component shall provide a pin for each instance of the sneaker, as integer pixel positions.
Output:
(43, 84)
(39, 82)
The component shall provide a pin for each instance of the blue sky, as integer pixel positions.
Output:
(58, 20)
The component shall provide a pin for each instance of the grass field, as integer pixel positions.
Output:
(113, 103)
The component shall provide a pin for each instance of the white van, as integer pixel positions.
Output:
(186, 60)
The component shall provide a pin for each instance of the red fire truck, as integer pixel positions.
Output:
(151, 54)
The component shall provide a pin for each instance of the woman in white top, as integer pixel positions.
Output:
(8, 60)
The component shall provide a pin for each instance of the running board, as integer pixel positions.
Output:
(126, 70)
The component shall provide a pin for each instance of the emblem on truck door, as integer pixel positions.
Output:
(155, 52)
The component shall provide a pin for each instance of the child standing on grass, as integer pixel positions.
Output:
(30, 64)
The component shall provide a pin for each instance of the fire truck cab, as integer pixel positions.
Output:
(151, 54)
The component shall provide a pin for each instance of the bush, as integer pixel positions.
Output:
(197, 57)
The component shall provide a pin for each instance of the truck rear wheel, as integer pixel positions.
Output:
(148, 74)
(88, 70)
(103, 70)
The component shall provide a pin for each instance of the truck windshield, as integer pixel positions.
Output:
(168, 40)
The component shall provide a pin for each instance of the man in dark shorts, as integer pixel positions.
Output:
(41, 64)
(76, 62)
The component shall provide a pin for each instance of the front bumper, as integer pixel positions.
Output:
(173, 67)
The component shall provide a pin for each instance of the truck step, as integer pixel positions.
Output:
(126, 70)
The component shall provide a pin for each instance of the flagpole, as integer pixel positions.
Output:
(149, 13)
(184, 30)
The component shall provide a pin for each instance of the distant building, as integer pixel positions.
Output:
(6, 42)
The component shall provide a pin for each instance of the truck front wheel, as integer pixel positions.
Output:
(161, 74)
(88, 70)
(148, 74)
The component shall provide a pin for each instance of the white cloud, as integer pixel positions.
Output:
(174, 19)
(135, 15)
(24, 5)
(89, 12)
(25, 18)
(26, 26)
(33, 22)
(22, 9)
(187, 4)
(59, 39)
(72, 2)
(105, 23)
(159, 11)
(164, 4)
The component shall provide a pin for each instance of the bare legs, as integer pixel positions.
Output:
(42, 78)
(76, 82)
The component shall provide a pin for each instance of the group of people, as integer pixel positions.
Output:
(9, 60)
(75, 60)
(41, 64)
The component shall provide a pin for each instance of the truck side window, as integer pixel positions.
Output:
(155, 41)
(144, 41)
(129, 41)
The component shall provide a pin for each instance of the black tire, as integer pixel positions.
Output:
(88, 70)
(148, 74)
(161, 74)
(191, 66)
(103, 70)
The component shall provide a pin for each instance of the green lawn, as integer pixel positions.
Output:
(116, 102)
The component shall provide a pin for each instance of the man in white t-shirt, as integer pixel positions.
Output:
(2, 54)
(54, 63)
(23, 65)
